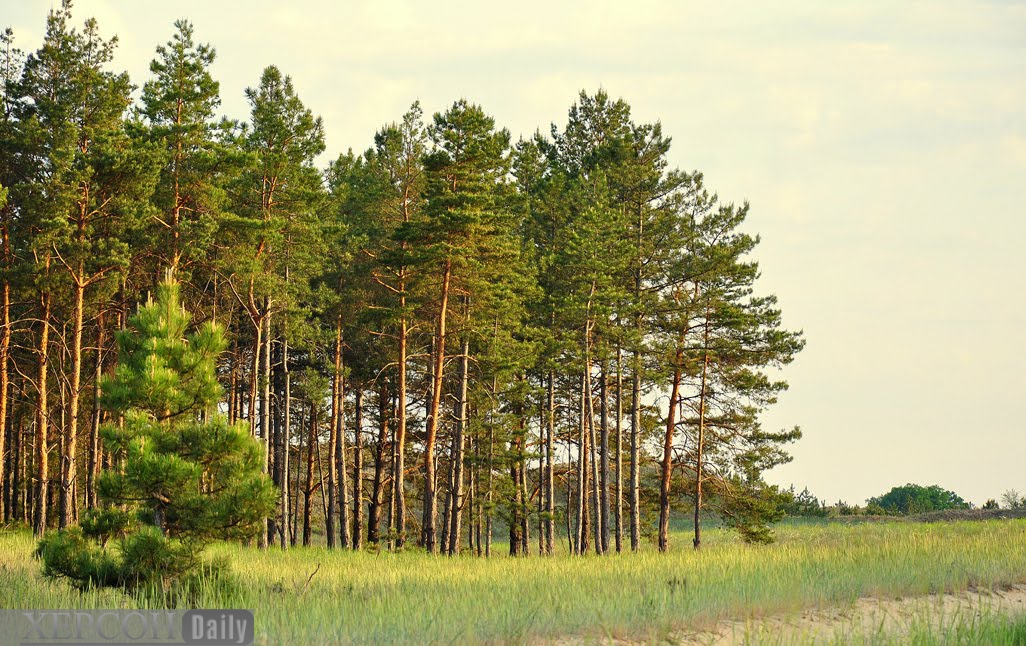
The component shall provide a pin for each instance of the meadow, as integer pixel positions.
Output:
(313, 595)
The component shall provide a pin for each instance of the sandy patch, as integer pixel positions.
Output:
(866, 617)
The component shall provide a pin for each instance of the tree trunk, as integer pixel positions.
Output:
(358, 471)
(284, 443)
(233, 382)
(311, 444)
(338, 403)
(94, 430)
(540, 476)
(459, 443)
(619, 456)
(525, 520)
(298, 482)
(265, 412)
(635, 496)
(69, 459)
(582, 462)
(491, 485)
(399, 463)
(254, 376)
(472, 502)
(431, 432)
(667, 463)
(39, 520)
(635, 486)
(5, 379)
(700, 447)
(374, 510)
(550, 479)
(5, 373)
(17, 475)
(329, 518)
(595, 477)
(604, 454)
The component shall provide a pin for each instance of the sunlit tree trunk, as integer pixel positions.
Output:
(700, 444)
(399, 463)
(550, 479)
(308, 490)
(357, 538)
(338, 414)
(374, 510)
(462, 419)
(93, 470)
(431, 432)
(39, 515)
(667, 463)
(618, 439)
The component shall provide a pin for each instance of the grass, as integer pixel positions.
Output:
(415, 598)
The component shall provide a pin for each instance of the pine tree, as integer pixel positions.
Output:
(465, 222)
(188, 477)
(178, 105)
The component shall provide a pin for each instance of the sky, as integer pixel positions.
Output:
(882, 147)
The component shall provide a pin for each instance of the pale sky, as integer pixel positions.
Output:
(882, 146)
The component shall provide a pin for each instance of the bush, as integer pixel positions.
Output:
(189, 477)
(916, 499)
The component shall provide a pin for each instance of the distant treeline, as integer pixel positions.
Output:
(449, 332)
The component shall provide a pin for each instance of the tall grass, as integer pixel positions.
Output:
(415, 598)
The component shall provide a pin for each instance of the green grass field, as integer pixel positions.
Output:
(415, 598)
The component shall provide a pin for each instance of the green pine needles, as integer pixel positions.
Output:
(181, 475)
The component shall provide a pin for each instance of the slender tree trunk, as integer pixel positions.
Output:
(339, 422)
(309, 489)
(473, 522)
(514, 523)
(582, 461)
(329, 518)
(298, 481)
(430, 495)
(525, 519)
(604, 454)
(635, 496)
(459, 443)
(233, 382)
(540, 476)
(700, 447)
(5, 376)
(391, 497)
(571, 538)
(69, 459)
(39, 516)
(618, 508)
(17, 475)
(358, 471)
(491, 485)
(595, 476)
(443, 542)
(5, 334)
(254, 375)
(94, 429)
(265, 412)
(399, 463)
(667, 463)
(285, 442)
(5, 373)
(550, 479)
(374, 511)
(635, 486)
